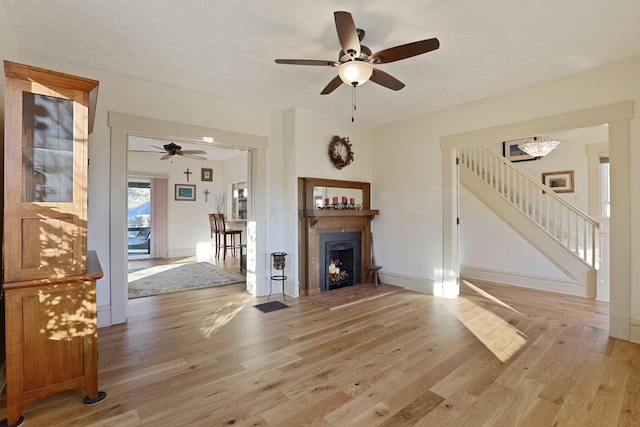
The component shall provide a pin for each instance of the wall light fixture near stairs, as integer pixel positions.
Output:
(538, 146)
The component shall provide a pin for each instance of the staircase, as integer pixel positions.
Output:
(564, 234)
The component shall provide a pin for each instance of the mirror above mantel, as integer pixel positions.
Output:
(336, 197)
(324, 194)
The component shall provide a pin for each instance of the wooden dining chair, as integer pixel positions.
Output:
(225, 234)
(215, 235)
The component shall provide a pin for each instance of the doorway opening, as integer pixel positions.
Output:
(617, 117)
(216, 179)
(124, 126)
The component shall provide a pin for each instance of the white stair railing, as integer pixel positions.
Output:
(574, 229)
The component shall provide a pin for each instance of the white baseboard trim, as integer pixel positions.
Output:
(181, 252)
(634, 331)
(412, 283)
(620, 326)
(292, 289)
(104, 315)
(525, 280)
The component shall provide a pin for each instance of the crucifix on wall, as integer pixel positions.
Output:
(187, 172)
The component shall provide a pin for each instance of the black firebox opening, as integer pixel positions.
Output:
(341, 255)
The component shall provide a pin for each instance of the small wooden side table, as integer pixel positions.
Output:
(372, 274)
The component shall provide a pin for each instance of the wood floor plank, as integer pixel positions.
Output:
(464, 374)
(588, 380)
(540, 413)
(447, 411)
(414, 410)
(574, 412)
(305, 412)
(495, 356)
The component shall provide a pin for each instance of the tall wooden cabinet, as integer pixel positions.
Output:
(49, 277)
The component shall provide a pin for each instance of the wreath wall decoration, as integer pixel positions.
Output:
(340, 152)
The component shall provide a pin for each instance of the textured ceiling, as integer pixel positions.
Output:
(226, 48)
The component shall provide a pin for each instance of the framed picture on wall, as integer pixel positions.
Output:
(185, 192)
(560, 182)
(206, 175)
(511, 151)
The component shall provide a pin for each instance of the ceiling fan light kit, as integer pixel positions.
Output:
(355, 73)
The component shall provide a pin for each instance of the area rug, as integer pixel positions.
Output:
(352, 295)
(178, 277)
(268, 307)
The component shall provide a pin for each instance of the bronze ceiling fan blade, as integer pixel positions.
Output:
(333, 85)
(386, 80)
(166, 156)
(404, 51)
(347, 33)
(307, 62)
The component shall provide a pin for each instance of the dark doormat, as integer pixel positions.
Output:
(267, 307)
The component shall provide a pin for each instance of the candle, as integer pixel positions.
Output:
(326, 201)
(335, 200)
(344, 199)
(352, 201)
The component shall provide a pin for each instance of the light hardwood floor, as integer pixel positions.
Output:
(231, 263)
(495, 356)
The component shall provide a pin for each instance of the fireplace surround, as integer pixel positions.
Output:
(315, 222)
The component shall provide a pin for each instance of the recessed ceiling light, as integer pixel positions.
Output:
(207, 139)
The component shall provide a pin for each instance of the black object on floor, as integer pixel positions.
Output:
(267, 307)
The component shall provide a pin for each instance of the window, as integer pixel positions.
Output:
(139, 218)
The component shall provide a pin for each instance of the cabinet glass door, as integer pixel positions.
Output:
(239, 200)
(47, 149)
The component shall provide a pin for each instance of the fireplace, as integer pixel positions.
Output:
(337, 232)
(340, 253)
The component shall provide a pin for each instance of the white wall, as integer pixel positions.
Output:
(489, 244)
(234, 170)
(407, 188)
(313, 133)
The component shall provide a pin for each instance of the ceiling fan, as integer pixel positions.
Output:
(355, 61)
(173, 149)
